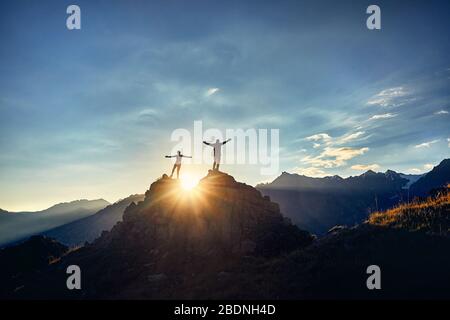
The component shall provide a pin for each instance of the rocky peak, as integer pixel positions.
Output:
(218, 214)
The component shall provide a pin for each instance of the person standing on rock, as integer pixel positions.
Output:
(177, 164)
(217, 147)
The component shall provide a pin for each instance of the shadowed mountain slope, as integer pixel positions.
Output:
(438, 177)
(15, 226)
(90, 228)
(317, 204)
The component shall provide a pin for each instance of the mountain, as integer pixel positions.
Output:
(409, 244)
(15, 226)
(172, 242)
(317, 204)
(412, 178)
(438, 177)
(88, 229)
(26, 260)
(224, 240)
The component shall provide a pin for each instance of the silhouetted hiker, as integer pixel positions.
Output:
(217, 152)
(177, 163)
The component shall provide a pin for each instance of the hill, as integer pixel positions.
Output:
(409, 244)
(15, 226)
(88, 229)
(26, 260)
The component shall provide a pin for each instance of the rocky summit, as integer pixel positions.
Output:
(175, 241)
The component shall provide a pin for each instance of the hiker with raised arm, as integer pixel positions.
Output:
(217, 149)
(177, 164)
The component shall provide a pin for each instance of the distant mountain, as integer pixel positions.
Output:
(89, 228)
(438, 177)
(15, 226)
(317, 204)
(412, 178)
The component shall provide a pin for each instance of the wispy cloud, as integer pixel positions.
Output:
(448, 140)
(311, 172)
(211, 91)
(383, 116)
(332, 157)
(392, 97)
(365, 167)
(425, 168)
(441, 112)
(325, 139)
(333, 154)
(426, 144)
(350, 137)
(319, 137)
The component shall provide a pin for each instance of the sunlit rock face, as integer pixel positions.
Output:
(219, 216)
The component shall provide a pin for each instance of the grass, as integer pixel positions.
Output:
(429, 215)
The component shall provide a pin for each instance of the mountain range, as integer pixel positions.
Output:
(87, 229)
(317, 204)
(225, 240)
(15, 226)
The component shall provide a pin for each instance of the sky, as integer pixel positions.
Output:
(89, 113)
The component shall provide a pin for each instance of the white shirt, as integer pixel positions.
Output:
(217, 150)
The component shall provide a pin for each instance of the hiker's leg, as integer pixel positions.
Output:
(178, 171)
(173, 169)
(217, 166)
(214, 165)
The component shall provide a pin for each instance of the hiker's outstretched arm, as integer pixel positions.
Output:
(186, 156)
(169, 156)
(226, 141)
(207, 143)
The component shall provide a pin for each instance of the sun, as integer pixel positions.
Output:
(188, 182)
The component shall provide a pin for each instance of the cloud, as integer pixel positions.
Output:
(211, 91)
(147, 113)
(333, 154)
(327, 140)
(392, 97)
(334, 157)
(448, 140)
(365, 167)
(383, 116)
(426, 167)
(311, 172)
(350, 137)
(319, 137)
(441, 112)
(426, 144)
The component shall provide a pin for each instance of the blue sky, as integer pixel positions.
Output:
(89, 113)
